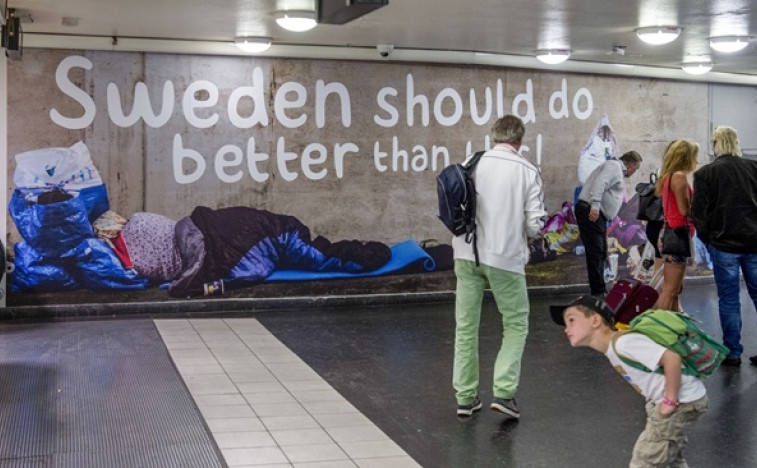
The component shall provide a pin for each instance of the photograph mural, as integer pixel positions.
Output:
(141, 176)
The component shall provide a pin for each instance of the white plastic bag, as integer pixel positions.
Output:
(71, 167)
(611, 268)
(601, 146)
(645, 268)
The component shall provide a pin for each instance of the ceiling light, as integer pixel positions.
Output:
(658, 35)
(296, 20)
(729, 44)
(253, 45)
(696, 68)
(553, 56)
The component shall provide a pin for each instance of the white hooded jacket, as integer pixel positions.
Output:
(510, 209)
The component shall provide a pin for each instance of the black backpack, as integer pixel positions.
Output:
(456, 192)
(650, 205)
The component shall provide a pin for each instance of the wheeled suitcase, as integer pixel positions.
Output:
(629, 297)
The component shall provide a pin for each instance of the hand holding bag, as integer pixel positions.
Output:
(650, 205)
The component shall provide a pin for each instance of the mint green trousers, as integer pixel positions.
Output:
(511, 296)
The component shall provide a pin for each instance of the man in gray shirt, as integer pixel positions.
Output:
(599, 203)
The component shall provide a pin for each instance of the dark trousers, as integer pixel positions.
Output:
(653, 235)
(594, 238)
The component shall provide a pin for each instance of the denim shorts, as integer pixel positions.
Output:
(678, 259)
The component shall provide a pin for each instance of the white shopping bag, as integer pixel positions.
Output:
(645, 267)
(71, 167)
(611, 268)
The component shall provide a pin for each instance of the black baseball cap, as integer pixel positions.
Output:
(596, 304)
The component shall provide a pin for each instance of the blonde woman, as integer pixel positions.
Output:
(673, 188)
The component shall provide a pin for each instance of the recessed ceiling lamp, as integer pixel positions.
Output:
(729, 44)
(296, 20)
(658, 35)
(553, 56)
(253, 44)
(696, 68)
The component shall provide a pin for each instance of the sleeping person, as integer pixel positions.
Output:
(239, 245)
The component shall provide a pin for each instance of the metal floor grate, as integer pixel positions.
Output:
(96, 394)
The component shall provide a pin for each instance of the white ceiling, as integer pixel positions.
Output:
(424, 30)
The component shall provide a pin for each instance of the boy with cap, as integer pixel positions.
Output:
(675, 402)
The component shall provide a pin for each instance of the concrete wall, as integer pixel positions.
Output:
(221, 108)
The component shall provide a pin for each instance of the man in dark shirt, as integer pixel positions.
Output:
(724, 210)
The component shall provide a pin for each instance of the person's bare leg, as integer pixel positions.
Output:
(672, 275)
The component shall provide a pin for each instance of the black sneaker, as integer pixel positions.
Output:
(467, 410)
(731, 362)
(753, 360)
(505, 406)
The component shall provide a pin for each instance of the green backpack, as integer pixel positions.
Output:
(701, 353)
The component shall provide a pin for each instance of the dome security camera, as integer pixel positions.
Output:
(385, 50)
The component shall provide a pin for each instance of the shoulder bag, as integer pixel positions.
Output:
(650, 205)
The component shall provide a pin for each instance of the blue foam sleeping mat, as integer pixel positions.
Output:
(403, 254)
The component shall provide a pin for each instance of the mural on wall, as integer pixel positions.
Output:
(71, 239)
(202, 169)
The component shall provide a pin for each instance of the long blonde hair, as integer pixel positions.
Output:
(681, 155)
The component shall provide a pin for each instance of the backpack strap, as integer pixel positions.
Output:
(474, 160)
(471, 168)
(685, 369)
(627, 360)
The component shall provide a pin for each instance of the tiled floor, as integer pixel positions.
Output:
(264, 406)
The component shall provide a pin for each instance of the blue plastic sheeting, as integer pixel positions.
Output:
(403, 254)
(98, 267)
(36, 273)
(57, 228)
(92, 264)
(52, 229)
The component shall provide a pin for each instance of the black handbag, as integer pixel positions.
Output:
(650, 205)
(676, 241)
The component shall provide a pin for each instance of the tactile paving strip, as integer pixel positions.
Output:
(96, 394)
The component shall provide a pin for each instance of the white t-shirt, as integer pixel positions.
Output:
(645, 351)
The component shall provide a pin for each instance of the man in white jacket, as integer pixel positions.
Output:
(509, 211)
